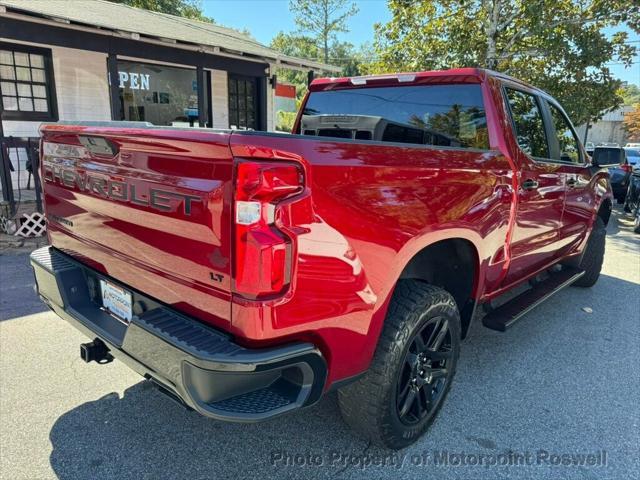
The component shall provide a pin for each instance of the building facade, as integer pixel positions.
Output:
(609, 129)
(96, 60)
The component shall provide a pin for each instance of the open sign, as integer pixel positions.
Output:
(135, 81)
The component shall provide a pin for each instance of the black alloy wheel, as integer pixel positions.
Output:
(412, 371)
(424, 373)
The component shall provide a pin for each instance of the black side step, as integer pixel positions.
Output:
(506, 315)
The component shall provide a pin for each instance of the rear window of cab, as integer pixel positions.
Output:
(440, 115)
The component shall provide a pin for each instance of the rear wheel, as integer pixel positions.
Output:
(593, 256)
(412, 369)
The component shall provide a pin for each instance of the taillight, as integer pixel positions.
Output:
(262, 251)
(627, 167)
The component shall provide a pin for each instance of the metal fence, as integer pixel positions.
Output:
(19, 173)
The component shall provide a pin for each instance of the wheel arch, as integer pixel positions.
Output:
(408, 261)
(452, 264)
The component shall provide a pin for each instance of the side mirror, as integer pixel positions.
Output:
(607, 157)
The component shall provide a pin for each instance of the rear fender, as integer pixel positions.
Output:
(405, 255)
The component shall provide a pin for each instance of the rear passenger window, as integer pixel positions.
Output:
(445, 115)
(527, 121)
(567, 140)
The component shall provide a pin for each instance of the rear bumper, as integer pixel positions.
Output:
(201, 367)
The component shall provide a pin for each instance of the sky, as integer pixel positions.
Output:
(265, 18)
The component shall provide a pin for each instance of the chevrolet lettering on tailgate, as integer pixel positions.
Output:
(119, 190)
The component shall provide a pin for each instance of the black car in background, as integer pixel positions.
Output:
(632, 200)
(621, 174)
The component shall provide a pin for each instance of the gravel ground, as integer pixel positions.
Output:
(563, 381)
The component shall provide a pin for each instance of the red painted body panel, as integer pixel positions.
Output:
(166, 254)
(366, 210)
(371, 210)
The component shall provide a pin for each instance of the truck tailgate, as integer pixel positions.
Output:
(149, 207)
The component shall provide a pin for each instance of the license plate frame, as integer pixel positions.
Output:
(117, 301)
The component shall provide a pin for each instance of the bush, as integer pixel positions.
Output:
(285, 121)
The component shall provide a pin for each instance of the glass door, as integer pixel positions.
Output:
(243, 103)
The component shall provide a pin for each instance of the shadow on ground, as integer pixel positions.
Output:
(145, 434)
(17, 295)
(490, 410)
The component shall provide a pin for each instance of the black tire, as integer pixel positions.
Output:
(372, 405)
(627, 199)
(593, 256)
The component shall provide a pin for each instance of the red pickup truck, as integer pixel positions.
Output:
(248, 273)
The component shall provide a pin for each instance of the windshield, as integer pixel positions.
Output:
(445, 115)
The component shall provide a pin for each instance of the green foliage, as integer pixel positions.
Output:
(319, 22)
(346, 56)
(285, 121)
(557, 45)
(182, 8)
(630, 93)
(341, 54)
(322, 20)
(295, 46)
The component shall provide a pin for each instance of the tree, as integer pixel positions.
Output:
(632, 124)
(346, 56)
(341, 54)
(181, 8)
(296, 46)
(322, 19)
(630, 93)
(558, 45)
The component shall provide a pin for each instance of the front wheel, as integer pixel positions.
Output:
(411, 372)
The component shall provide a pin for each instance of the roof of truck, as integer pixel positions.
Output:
(464, 75)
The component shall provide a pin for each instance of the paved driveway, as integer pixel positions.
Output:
(561, 382)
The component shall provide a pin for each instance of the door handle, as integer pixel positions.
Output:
(529, 184)
(572, 183)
